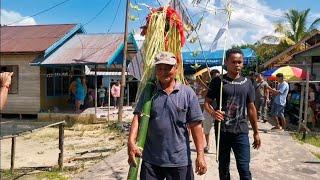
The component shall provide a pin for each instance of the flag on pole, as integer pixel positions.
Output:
(221, 31)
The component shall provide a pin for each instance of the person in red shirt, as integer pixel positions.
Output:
(115, 92)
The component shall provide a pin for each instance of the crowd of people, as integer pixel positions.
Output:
(177, 109)
(276, 99)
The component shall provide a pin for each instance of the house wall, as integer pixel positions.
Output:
(27, 100)
(49, 103)
(315, 67)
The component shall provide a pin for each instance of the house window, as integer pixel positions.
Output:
(14, 78)
(57, 81)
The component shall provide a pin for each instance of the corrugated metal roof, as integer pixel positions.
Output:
(35, 38)
(86, 49)
(89, 72)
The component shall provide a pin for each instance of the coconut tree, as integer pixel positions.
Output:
(293, 29)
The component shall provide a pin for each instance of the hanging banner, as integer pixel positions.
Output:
(218, 36)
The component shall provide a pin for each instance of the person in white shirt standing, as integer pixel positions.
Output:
(279, 102)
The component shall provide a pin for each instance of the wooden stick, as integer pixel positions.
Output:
(61, 142)
(221, 84)
(31, 131)
(13, 152)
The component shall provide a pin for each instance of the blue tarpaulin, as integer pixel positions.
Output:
(207, 58)
(269, 72)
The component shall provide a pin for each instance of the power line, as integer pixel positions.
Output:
(141, 24)
(267, 12)
(188, 47)
(260, 10)
(98, 14)
(98, 49)
(40, 12)
(194, 30)
(115, 16)
(159, 3)
(253, 23)
(91, 20)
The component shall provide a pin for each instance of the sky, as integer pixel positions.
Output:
(250, 19)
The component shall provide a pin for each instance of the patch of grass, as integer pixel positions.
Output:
(310, 139)
(51, 175)
(6, 174)
(316, 154)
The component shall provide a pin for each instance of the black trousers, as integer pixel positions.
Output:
(153, 172)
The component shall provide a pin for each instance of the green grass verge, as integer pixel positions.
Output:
(50, 175)
(54, 175)
(310, 139)
(316, 154)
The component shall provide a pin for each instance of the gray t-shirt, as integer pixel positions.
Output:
(236, 94)
(260, 87)
(167, 142)
(102, 92)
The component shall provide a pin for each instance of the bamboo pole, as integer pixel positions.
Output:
(228, 9)
(143, 128)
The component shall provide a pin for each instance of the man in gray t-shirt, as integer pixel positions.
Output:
(262, 97)
(166, 153)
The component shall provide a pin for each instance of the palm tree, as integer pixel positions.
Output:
(294, 29)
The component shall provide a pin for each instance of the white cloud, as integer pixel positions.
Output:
(164, 2)
(250, 21)
(313, 16)
(8, 17)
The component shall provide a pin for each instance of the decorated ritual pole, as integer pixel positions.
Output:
(163, 32)
(228, 10)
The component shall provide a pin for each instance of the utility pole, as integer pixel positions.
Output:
(124, 63)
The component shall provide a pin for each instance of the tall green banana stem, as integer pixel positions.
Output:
(143, 128)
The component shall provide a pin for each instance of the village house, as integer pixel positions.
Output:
(304, 54)
(45, 59)
(20, 45)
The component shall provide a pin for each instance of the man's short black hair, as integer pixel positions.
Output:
(233, 51)
(279, 75)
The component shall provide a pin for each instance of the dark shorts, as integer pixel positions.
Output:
(277, 110)
(153, 172)
(101, 99)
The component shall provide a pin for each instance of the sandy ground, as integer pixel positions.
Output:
(82, 141)
(41, 148)
(84, 146)
(280, 157)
